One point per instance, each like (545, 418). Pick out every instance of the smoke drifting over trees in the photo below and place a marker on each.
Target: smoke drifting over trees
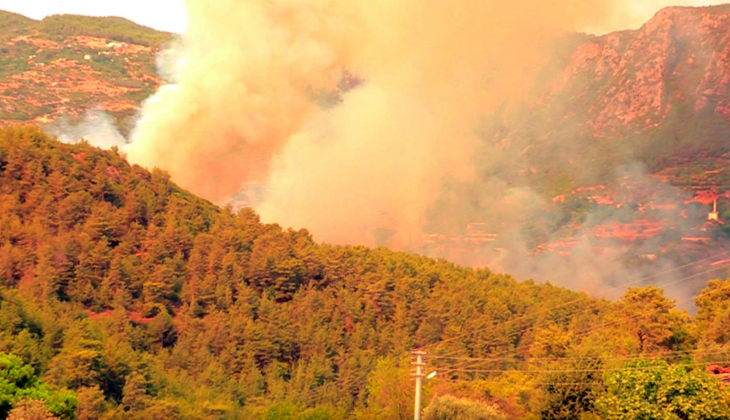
(245, 112)
(97, 128)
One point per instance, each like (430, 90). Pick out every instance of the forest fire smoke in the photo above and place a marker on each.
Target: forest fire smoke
(241, 110)
(247, 106)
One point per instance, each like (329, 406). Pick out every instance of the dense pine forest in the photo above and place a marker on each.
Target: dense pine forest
(124, 296)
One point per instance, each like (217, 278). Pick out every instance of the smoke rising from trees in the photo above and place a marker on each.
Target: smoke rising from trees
(257, 106)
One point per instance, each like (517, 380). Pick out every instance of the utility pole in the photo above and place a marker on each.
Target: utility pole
(419, 381)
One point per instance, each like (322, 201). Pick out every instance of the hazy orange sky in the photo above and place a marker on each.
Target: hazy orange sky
(169, 15)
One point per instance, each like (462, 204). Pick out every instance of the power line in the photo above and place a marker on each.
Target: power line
(616, 322)
(586, 297)
(534, 384)
(593, 329)
(580, 358)
(542, 371)
(624, 319)
(567, 316)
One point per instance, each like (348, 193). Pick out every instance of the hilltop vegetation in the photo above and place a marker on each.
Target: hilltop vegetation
(62, 26)
(11, 22)
(114, 28)
(148, 302)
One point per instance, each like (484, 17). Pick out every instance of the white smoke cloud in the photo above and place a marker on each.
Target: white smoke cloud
(97, 128)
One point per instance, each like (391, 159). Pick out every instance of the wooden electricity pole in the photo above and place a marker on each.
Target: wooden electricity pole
(419, 382)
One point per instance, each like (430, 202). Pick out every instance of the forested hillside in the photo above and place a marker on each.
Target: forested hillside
(128, 297)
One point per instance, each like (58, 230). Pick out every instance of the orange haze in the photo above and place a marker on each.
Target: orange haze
(241, 110)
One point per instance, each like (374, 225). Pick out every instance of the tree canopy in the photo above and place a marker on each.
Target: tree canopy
(148, 302)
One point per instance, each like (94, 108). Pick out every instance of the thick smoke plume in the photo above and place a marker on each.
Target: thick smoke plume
(243, 111)
(352, 118)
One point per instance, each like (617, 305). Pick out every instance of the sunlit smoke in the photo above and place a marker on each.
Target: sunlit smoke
(244, 99)
(258, 106)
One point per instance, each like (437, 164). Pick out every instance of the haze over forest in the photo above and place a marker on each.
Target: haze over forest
(547, 140)
(396, 140)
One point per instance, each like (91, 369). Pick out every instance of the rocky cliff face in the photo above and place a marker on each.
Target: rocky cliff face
(636, 78)
(658, 96)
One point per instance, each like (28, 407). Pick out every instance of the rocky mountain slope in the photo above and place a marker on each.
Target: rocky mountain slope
(636, 78)
(656, 98)
(660, 94)
(610, 122)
